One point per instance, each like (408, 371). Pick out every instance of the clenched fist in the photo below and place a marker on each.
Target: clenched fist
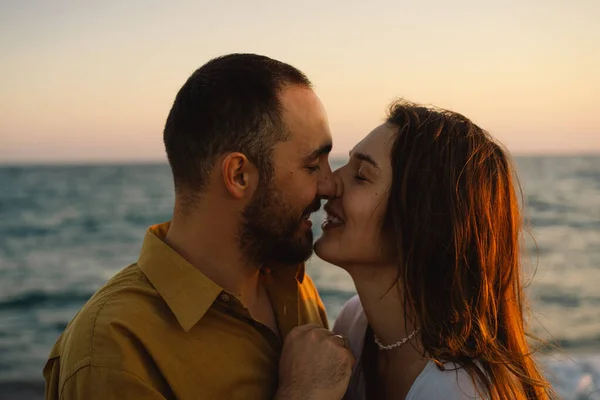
(314, 364)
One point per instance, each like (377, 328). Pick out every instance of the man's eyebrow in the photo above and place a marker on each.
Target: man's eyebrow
(323, 150)
(364, 157)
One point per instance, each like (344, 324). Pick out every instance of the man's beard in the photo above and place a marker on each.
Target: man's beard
(271, 230)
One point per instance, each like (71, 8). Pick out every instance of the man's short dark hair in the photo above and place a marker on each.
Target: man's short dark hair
(231, 103)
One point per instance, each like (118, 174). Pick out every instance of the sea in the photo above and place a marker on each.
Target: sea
(66, 229)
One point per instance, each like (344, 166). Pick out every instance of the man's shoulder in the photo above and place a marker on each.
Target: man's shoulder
(126, 302)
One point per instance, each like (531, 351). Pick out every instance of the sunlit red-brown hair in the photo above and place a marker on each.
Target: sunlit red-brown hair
(456, 226)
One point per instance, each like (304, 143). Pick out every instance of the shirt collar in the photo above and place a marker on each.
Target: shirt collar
(187, 291)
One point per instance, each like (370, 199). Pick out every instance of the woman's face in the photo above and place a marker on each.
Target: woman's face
(352, 232)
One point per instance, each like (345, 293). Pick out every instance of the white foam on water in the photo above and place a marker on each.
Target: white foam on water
(573, 376)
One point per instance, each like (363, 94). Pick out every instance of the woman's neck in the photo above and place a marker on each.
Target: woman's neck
(382, 302)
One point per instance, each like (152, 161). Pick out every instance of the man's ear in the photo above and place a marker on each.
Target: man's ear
(238, 173)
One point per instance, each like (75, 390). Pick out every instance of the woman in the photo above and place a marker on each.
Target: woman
(428, 226)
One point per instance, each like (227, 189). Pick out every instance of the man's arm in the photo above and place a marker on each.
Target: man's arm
(104, 383)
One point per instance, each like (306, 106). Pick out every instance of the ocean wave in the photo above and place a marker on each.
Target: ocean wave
(536, 204)
(581, 343)
(43, 299)
(585, 224)
(569, 300)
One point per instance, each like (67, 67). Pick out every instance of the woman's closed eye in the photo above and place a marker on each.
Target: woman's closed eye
(360, 179)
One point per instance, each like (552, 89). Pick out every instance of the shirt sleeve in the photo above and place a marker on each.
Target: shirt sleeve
(103, 383)
(51, 376)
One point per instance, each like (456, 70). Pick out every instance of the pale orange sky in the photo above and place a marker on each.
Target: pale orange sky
(95, 81)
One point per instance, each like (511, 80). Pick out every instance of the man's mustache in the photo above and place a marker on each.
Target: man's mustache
(314, 207)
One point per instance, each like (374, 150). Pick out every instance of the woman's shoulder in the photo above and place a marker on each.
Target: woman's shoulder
(352, 306)
(352, 322)
(350, 313)
(453, 383)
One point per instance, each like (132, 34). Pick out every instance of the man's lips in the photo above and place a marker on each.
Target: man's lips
(313, 209)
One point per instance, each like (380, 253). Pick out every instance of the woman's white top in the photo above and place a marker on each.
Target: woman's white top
(452, 384)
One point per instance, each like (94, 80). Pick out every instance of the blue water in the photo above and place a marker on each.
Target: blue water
(66, 229)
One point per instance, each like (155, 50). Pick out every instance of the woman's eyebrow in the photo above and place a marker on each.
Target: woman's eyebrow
(364, 157)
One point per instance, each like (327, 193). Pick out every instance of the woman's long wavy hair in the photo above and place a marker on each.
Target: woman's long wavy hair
(456, 226)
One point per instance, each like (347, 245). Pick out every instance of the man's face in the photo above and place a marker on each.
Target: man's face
(276, 226)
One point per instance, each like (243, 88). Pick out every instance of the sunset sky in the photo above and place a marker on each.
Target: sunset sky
(94, 80)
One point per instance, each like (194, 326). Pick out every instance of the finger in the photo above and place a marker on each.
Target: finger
(341, 340)
(352, 359)
(302, 329)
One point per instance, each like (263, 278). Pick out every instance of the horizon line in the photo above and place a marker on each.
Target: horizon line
(155, 161)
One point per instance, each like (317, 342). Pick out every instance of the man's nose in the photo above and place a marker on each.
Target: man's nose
(339, 184)
(330, 185)
(326, 187)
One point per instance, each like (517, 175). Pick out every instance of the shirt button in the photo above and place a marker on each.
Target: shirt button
(224, 297)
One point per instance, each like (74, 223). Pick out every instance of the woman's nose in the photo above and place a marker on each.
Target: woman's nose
(339, 184)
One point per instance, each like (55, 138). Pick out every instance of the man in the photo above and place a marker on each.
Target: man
(218, 305)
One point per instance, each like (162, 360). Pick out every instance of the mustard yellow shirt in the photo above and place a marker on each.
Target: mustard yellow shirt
(161, 329)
